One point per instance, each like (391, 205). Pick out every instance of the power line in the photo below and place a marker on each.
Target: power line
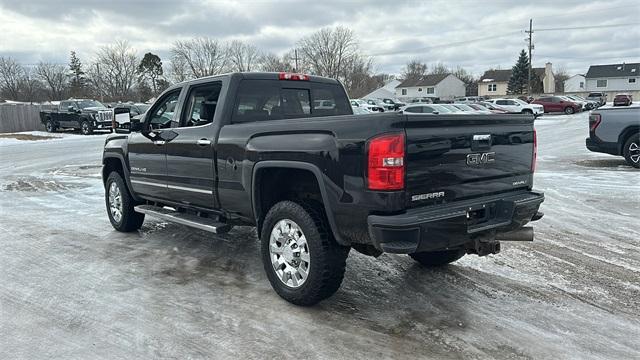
(588, 27)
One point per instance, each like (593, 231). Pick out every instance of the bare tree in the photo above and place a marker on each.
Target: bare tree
(243, 56)
(114, 72)
(330, 52)
(30, 89)
(414, 69)
(439, 69)
(274, 63)
(178, 71)
(201, 56)
(560, 76)
(10, 74)
(55, 77)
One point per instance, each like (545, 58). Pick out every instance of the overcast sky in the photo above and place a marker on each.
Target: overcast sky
(477, 35)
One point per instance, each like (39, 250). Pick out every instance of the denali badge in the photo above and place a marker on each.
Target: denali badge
(434, 195)
(481, 158)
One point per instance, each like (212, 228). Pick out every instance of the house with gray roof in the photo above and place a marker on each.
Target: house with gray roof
(614, 77)
(494, 83)
(443, 86)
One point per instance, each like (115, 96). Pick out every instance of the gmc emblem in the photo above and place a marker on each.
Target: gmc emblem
(481, 158)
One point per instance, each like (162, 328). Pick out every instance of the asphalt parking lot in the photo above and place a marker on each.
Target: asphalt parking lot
(72, 287)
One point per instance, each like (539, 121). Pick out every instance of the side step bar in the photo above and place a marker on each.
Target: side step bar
(197, 222)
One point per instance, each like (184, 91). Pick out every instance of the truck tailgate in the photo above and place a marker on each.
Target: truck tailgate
(452, 157)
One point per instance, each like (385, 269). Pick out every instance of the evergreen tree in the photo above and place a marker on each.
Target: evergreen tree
(151, 67)
(77, 77)
(519, 75)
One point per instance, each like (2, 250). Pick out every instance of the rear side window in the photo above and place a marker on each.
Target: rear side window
(260, 100)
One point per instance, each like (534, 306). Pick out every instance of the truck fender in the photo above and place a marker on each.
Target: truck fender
(302, 166)
(624, 135)
(125, 172)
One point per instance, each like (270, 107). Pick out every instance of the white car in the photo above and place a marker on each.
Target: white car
(518, 106)
(363, 104)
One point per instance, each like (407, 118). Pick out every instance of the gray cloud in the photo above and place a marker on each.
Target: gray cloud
(474, 34)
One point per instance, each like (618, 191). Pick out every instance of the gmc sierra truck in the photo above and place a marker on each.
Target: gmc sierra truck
(256, 149)
(80, 114)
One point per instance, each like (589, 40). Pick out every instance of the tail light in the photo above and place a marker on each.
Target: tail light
(385, 170)
(293, 76)
(594, 121)
(535, 151)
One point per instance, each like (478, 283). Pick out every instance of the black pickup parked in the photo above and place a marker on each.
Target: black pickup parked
(256, 149)
(79, 114)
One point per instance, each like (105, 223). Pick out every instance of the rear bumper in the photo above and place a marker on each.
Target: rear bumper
(597, 145)
(452, 225)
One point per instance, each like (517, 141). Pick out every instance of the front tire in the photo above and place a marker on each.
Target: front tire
(631, 151)
(527, 111)
(86, 128)
(304, 264)
(120, 205)
(437, 258)
(569, 110)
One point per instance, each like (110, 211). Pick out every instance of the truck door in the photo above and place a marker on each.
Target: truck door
(147, 149)
(190, 155)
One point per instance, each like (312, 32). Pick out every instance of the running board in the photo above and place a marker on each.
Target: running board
(197, 222)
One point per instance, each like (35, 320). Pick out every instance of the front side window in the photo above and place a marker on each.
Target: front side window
(162, 113)
(202, 103)
(601, 83)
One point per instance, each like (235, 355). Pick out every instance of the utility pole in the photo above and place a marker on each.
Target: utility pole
(530, 32)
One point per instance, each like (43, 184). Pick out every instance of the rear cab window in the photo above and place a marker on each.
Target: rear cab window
(260, 100)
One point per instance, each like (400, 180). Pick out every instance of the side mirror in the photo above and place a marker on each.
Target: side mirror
(400, 112)
(436, 112)
(136, 125)
(71, 109)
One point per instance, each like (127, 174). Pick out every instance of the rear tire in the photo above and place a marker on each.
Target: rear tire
(631, 151)
(437, 258)
(297, 243)
(86, 128)
(50, 126)
(120, 205)
(569, 110)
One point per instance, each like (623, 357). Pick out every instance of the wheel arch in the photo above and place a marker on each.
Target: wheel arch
(115, 162)
(268, 168)
(625, 135)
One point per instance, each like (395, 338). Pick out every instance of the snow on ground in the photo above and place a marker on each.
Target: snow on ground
(72, 287)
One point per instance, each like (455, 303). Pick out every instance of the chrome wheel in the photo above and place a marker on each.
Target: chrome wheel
(85, 128)
(289, 253)
(115, 202)
(49, 126)
(634, 152)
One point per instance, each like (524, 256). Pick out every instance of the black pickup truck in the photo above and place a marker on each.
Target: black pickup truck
(255, 149)
(85, 115)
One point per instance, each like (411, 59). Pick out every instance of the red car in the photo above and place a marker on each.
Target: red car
(557, 104)
(622, 100)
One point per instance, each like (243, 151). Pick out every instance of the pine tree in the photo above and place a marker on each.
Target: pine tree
(519, 75)
(151, 67)
(77, 81)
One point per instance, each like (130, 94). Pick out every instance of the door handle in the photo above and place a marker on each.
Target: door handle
(203, 142)
(159, 142)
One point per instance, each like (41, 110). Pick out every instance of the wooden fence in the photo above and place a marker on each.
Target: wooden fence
(21, 117)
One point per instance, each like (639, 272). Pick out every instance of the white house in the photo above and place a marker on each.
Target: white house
(388, 91)
(614, 77)
(443, 86)
(576, 83)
